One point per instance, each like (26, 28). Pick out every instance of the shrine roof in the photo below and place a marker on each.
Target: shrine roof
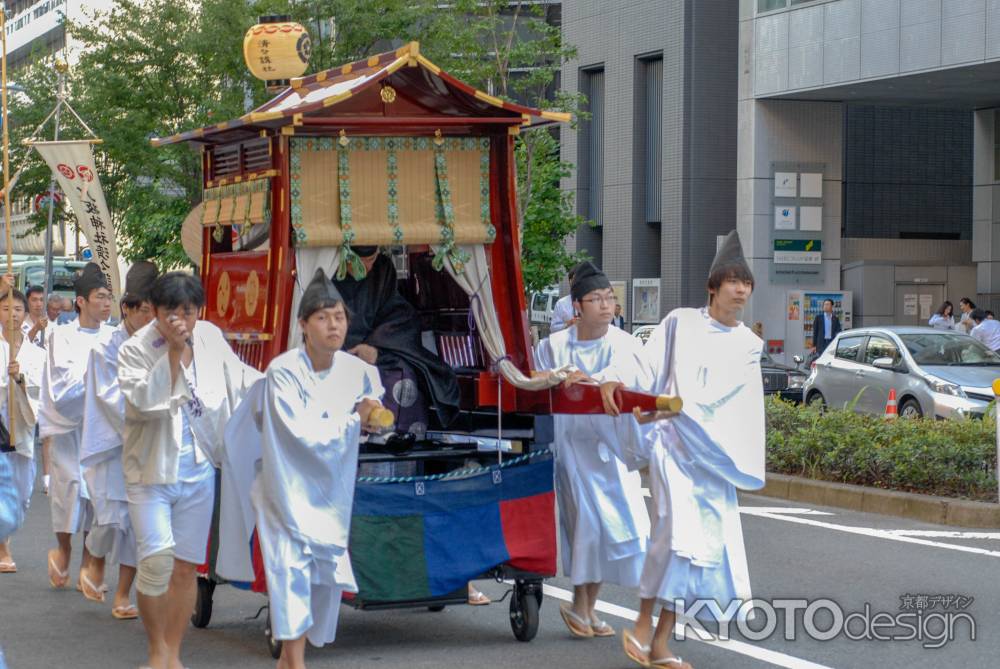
(424, 90)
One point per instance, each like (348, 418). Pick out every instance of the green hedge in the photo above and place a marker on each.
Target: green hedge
(954, 458)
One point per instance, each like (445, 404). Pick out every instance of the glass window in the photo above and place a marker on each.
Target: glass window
(996, 144)
(768, 5)
(649, 125)
(948, 349)
(881, 347)
(849, 347)
(540, 302)
(591, 147)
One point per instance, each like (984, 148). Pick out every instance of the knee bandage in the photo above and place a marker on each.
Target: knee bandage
(153, 574)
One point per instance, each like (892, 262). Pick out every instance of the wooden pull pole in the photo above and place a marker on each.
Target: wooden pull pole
(6, 219)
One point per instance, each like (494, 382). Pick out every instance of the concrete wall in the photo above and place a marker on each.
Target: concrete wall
(698, 40)
(776, 131)
(854, 40)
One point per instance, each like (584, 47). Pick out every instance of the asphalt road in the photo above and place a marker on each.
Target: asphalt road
(850, 558)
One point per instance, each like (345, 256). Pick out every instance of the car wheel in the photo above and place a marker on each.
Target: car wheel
(816, 400)
(910, 408)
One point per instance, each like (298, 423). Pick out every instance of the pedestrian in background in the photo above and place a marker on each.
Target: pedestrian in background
(826, 326)
(54, 306)
(965, 324)
(987, 330)
(563, 314)
(68, 313)
(943, 318)
(35, 322)
(618, 320)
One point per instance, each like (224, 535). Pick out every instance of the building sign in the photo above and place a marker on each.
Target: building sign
(784, 218)
(786, 184)
(798, 251)
(645, 300)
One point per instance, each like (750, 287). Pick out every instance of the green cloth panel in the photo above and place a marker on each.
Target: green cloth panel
(387, 553)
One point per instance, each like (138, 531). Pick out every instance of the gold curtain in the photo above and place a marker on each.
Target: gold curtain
(392, 189)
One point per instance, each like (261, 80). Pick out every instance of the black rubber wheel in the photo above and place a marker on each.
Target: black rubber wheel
(203, 603)
(910, 408)
(524, 605)
(273, 645)
(437, 608)
(816, 400)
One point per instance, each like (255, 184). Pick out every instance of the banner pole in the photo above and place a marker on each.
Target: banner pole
(60, 95)
(12, 354)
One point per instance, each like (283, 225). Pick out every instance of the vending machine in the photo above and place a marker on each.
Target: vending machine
(802, 307)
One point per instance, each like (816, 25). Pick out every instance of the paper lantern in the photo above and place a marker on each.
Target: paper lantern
(277, 49)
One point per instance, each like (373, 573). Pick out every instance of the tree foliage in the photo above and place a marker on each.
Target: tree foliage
(156, 67)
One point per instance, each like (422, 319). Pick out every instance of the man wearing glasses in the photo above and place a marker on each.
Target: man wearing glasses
(605, 526)
(61, 418)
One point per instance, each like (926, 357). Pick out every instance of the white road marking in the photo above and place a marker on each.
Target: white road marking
(892, 535)
(732, 645)
(948, 534)
(783, 509)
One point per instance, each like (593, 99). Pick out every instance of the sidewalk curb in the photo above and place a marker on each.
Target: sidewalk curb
(926, 508)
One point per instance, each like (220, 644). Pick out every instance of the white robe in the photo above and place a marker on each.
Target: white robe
(32, 361)
(605, 526)
(303, 491)
(101, 452)
(699, 459)
(562, 313)
(61, 417)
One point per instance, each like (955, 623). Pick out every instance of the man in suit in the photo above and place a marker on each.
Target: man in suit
(619, 320)
(826, 326)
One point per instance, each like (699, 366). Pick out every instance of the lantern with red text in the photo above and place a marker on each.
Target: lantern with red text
(276, 50)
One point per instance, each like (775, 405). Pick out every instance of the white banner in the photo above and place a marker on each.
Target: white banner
(72, 162)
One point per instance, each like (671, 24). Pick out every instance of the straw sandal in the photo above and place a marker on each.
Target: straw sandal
(94, 593)
(578, 627)
(125, 612)
(477, 598)
(58, 578)
(601, 628)
(634, 650)
(669, 663)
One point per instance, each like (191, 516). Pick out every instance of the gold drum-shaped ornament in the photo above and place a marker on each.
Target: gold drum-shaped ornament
(276, 50)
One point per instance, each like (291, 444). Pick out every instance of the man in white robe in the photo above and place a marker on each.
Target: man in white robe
(696, 564)
(563, 313)
(101, 447)
(24, 376)
(316, 399)
(605, 526)
(181, 381)
(35, 322)
(61, 418)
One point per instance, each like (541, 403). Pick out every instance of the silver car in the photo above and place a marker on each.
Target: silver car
(935, 373)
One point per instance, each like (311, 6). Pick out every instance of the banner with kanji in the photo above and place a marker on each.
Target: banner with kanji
(72, 163)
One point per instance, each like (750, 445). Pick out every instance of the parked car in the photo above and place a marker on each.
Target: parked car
(783, 380)
(935, 373)
(540, 305)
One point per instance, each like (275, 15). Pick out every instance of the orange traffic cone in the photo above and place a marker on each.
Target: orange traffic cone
(890, 406)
